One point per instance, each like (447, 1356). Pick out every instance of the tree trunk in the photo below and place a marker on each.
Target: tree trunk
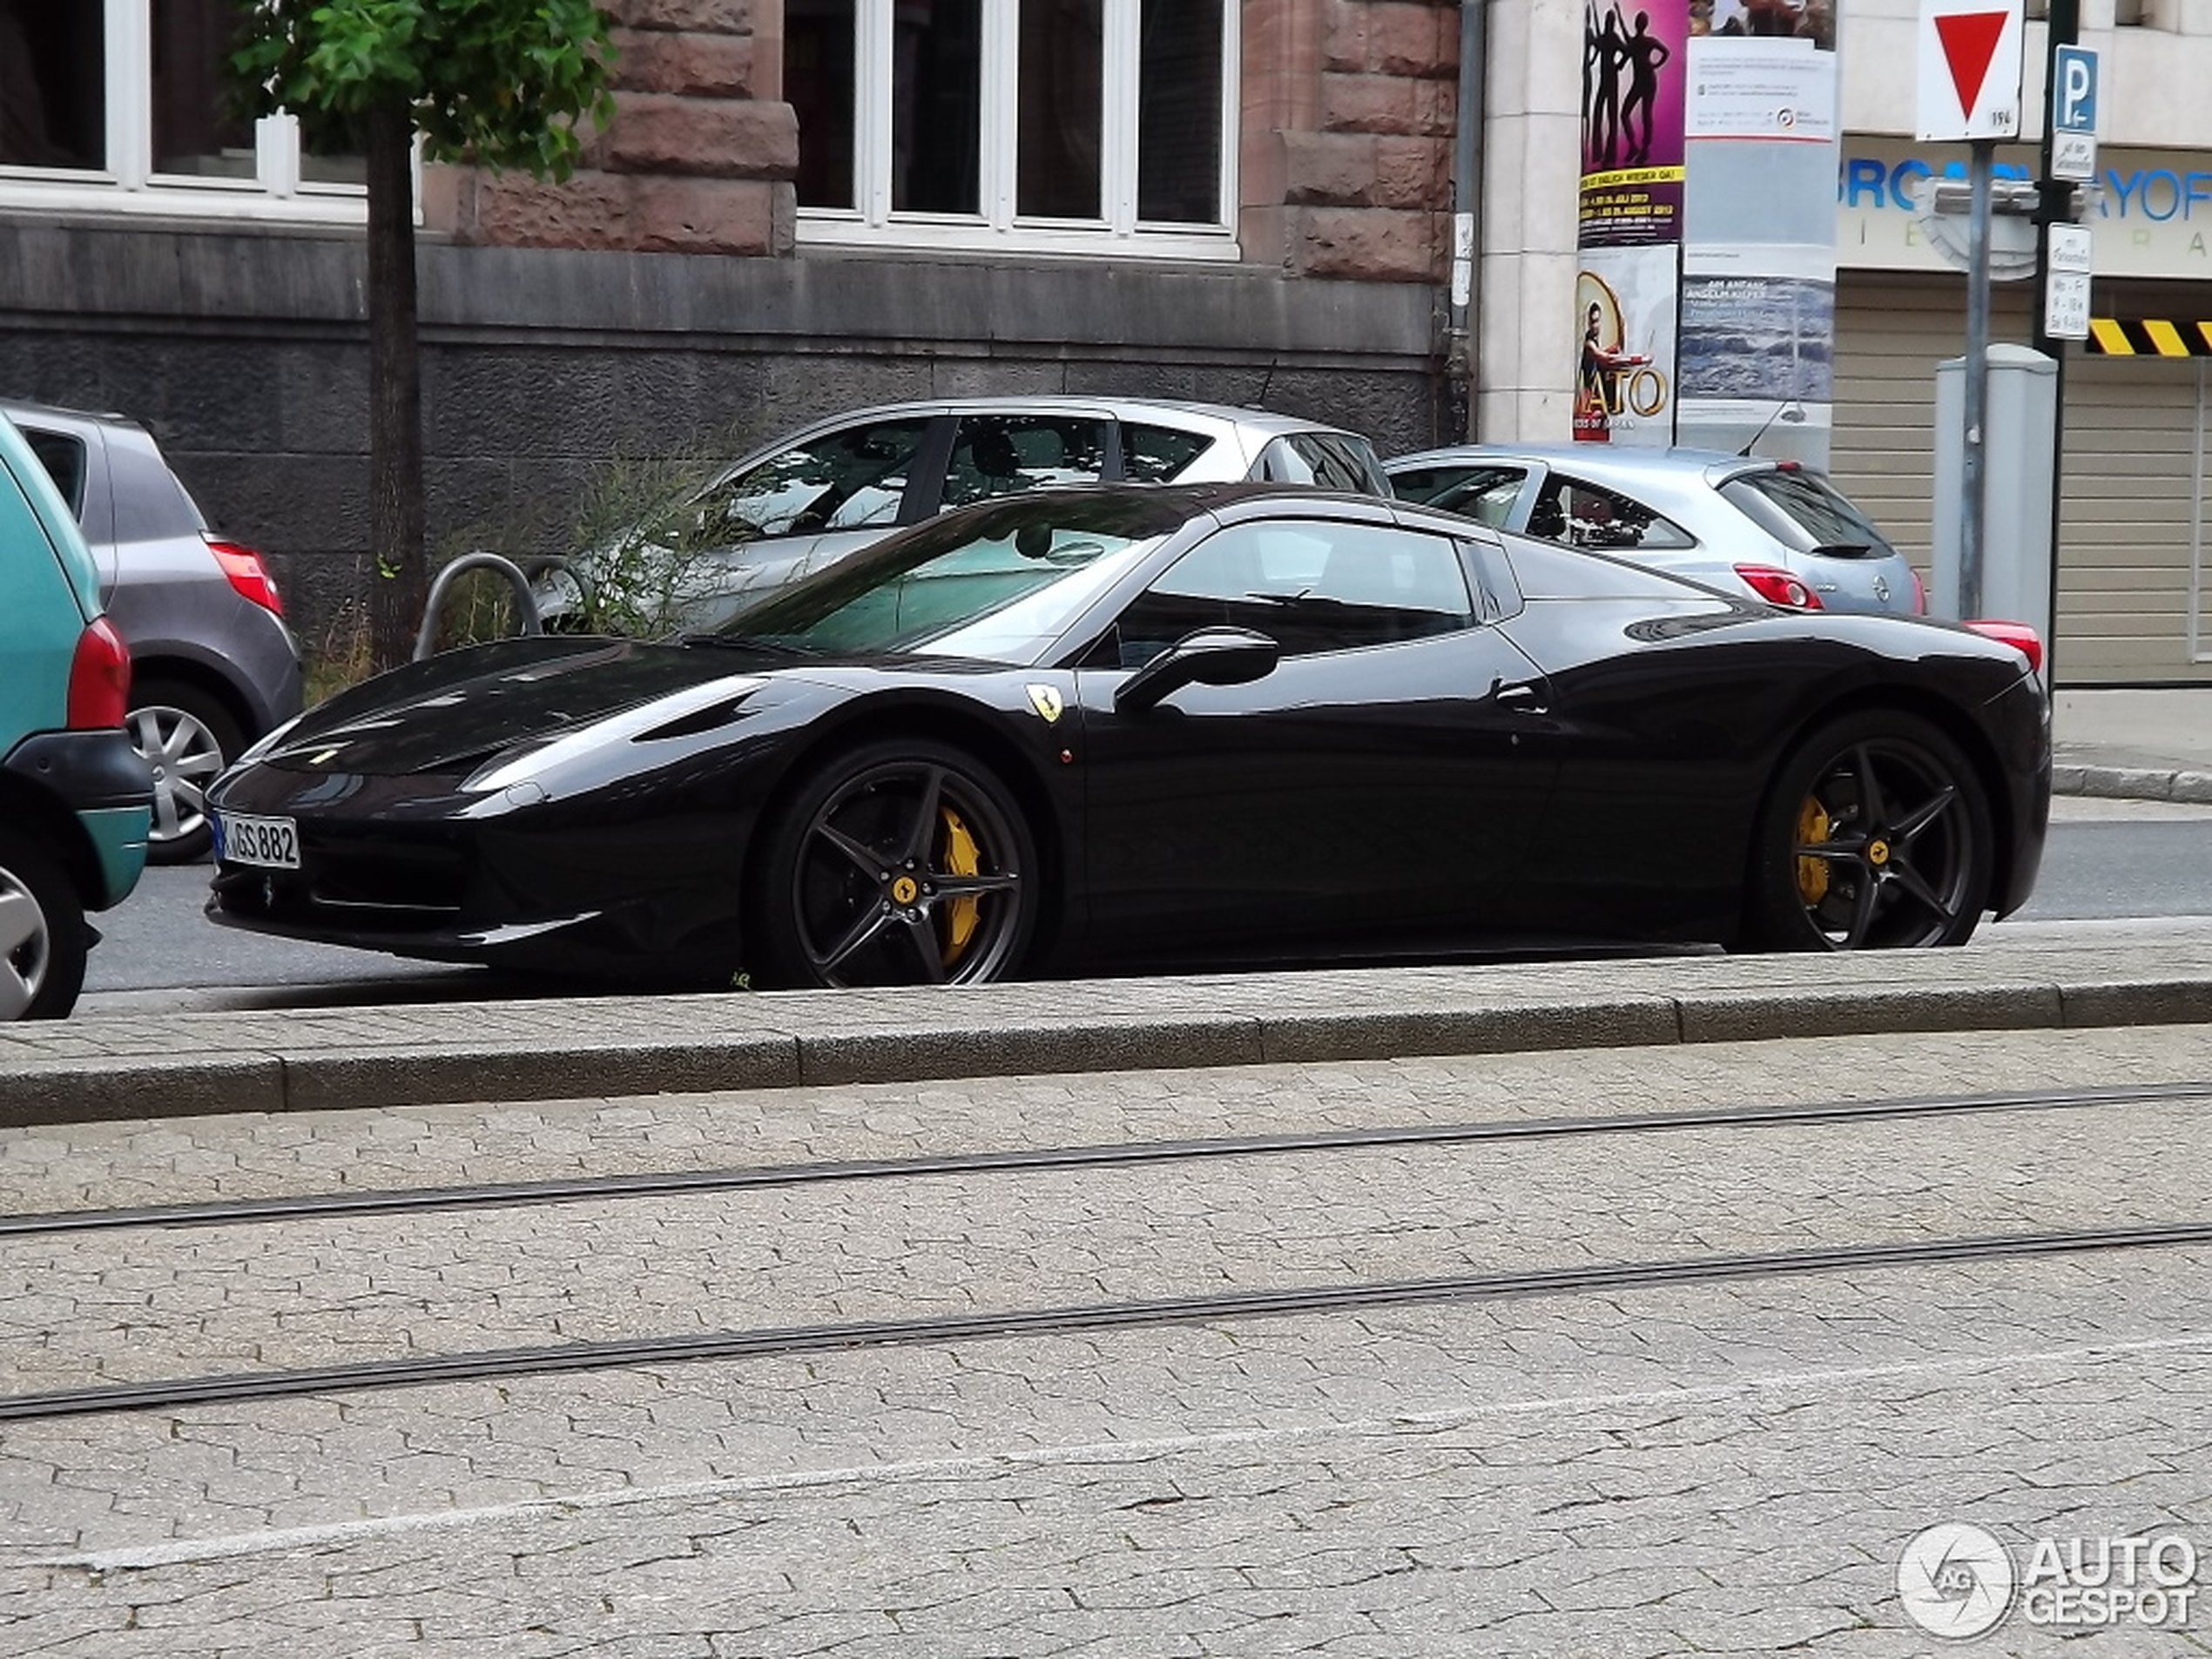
(395, 392)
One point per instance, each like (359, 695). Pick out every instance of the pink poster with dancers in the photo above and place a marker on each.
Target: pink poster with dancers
(1636, 68)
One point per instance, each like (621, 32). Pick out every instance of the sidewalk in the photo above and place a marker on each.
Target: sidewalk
(2142, 745)
(138, 1066)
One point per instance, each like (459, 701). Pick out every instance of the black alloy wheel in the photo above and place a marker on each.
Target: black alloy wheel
(1876, 835)
(42, 937)
(902, 863)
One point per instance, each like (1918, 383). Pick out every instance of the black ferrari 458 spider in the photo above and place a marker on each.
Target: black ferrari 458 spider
(1134, 726)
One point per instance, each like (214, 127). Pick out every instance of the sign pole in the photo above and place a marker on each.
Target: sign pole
(1983, 168)
(2055, 206)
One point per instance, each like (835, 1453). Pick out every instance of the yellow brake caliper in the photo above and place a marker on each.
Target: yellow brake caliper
(962, 857)
(1812, 874)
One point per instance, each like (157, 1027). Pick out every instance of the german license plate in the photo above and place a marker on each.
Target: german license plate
(273, 843)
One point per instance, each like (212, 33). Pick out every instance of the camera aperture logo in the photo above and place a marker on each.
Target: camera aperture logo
(1958, 1581)
(1955, 1581)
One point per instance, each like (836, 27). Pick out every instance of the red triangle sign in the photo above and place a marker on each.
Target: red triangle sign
(1969, 42)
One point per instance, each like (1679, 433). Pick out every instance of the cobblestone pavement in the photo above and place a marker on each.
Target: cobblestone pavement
(1727, 1468)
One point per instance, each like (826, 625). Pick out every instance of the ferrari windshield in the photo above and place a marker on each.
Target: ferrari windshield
(1001, 584)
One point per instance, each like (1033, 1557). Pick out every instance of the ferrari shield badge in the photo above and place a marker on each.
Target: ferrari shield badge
(1045, 699)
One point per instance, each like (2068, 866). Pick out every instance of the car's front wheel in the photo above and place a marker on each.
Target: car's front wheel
(42, 937)
(900, 862)
(1876, 833)
(186, 738)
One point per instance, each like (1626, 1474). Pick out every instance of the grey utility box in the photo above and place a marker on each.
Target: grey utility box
(2023, 412)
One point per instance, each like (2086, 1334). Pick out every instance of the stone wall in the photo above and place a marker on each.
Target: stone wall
(659, 301)
(1349, 112)
(698, 158)
(1348, 109)
(246, 355)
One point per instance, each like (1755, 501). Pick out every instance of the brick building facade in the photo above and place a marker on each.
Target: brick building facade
(697, 282)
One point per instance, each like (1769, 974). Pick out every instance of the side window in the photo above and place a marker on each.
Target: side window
(1323, 460)
(1487, 493)
(63, 458)
(1003, 455)
(1427, 483)
(843, 481)
(1584, 516)
(1155, 455)
(1312, 585)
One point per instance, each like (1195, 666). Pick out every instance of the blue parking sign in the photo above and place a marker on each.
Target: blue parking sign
(2073, 90)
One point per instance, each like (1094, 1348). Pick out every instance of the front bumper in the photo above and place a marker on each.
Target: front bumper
(553, 889)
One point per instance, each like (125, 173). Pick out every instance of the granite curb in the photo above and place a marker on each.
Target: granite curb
(2130, 782)
(196, 1064)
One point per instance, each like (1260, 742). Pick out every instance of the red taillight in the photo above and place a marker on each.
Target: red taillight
(99, 678)
(1778, 587)
(1919, 596)
(247, 574)
(2021, 638)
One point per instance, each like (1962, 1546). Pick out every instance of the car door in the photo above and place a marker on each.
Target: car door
(1372, 788)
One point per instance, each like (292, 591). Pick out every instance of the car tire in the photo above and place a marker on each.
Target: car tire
(43, 936)
(188, 737)
(900, 862)
(1876, 833)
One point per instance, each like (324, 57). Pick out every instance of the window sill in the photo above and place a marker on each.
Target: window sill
(832, 231)
(337, 205)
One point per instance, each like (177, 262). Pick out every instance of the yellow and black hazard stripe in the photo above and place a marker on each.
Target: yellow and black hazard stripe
(2148, 337)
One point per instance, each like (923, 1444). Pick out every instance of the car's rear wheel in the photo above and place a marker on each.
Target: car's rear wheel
(187, 737)
(1875, 834)
(901, 862)
(42, 937)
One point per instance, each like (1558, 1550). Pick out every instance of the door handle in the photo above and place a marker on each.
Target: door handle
(1520, 697)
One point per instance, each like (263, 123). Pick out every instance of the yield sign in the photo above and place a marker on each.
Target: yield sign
(1970, 69)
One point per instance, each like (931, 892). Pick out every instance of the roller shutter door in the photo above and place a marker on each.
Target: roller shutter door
(2128, 529)
(2129, 522)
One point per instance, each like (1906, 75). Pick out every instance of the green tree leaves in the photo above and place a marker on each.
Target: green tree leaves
(500, 82)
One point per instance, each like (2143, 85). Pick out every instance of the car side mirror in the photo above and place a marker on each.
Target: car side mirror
(1207, 656)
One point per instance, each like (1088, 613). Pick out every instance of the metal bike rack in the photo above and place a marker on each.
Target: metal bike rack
(525, 601)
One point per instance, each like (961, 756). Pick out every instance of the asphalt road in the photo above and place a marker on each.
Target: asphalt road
(2108, 864)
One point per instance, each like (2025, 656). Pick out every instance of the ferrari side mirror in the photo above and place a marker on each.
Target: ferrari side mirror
(1208, 656)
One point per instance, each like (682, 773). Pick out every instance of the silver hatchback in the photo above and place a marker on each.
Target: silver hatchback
(826, 491)
(1775, 528)
(213, 665)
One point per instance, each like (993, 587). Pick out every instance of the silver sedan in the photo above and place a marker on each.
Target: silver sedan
(1736, 522)
(820, 493)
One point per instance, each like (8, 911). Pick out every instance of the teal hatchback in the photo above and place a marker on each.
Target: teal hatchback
(76, 800)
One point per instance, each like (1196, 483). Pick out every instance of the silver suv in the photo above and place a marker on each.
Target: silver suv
(817, 494)
(213, 665)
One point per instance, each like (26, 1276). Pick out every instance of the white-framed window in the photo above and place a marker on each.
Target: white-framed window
(121, 106)
(1057, 124)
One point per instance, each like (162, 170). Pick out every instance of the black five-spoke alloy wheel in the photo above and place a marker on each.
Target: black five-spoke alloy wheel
(904, 862)
(1877, 835)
